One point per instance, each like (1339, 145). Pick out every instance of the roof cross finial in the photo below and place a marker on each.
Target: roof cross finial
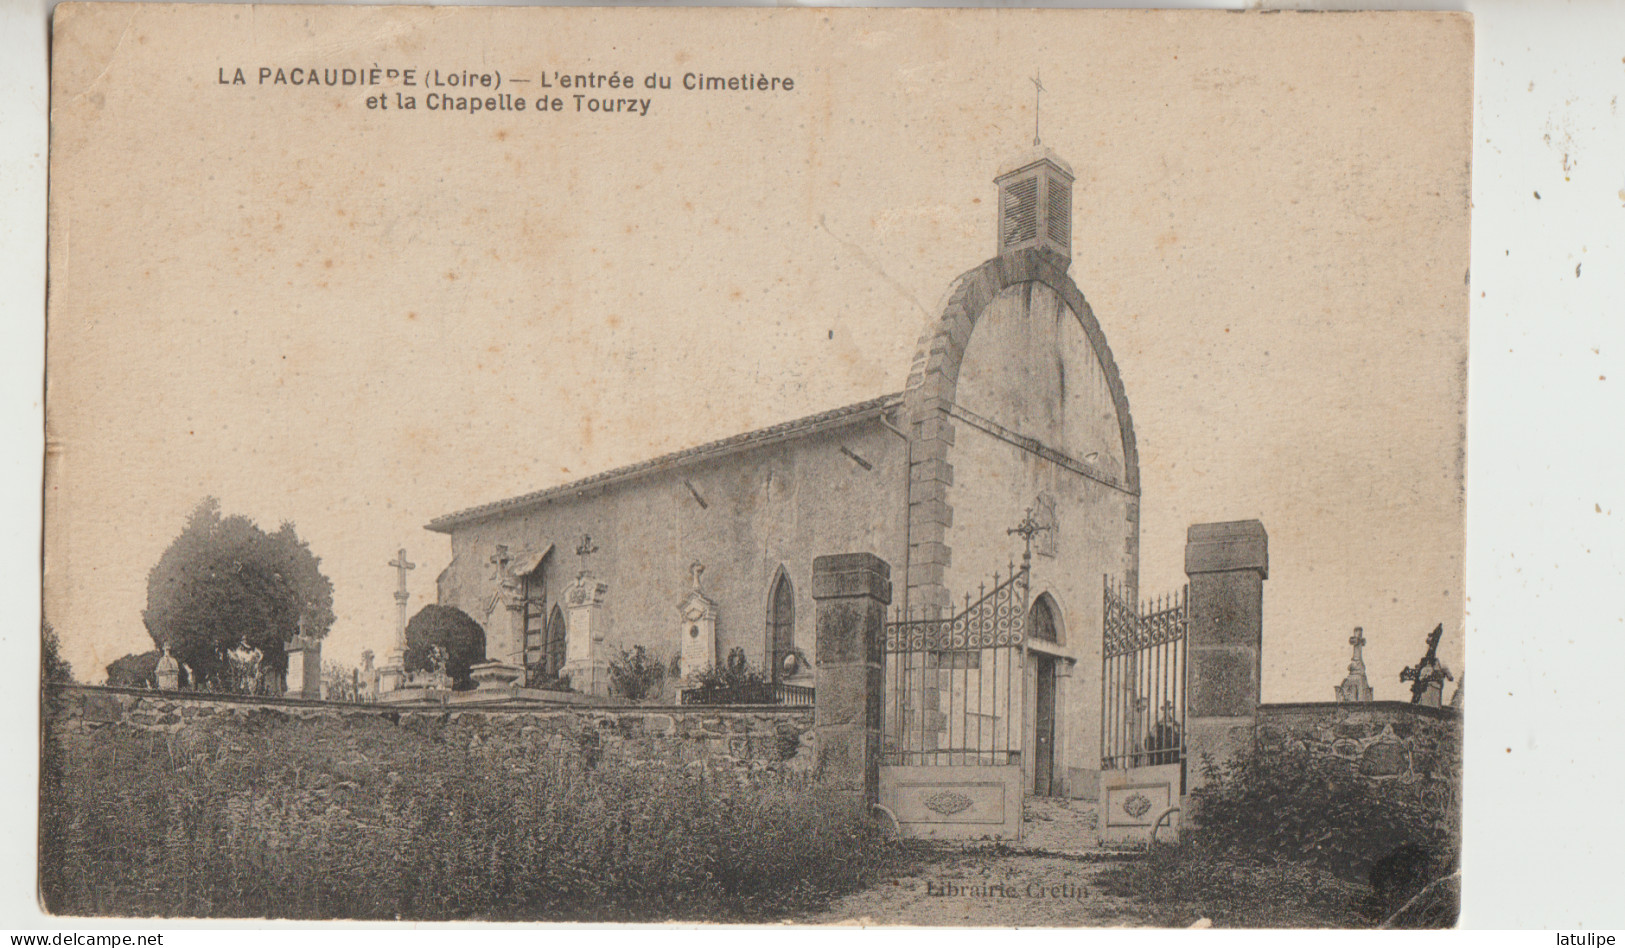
(1038, 99)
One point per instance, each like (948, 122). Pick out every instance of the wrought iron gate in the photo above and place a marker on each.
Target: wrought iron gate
(1142, 717)
(1143, 672)
(951, 715)
(951, 683)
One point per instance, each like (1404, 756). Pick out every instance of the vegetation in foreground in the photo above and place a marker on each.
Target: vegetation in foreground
(322, 819)
(1287, 839)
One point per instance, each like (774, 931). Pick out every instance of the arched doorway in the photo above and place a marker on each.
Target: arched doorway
(1043, 626)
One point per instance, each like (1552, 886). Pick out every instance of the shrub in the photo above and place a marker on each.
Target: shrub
(1288, 838)
(460, 640)
(734, 683)
(135, 670)
(1303, 807)
(636, 674)
(265, 816)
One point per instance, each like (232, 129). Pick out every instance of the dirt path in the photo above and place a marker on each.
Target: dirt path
(990, 888)
(1046, 880)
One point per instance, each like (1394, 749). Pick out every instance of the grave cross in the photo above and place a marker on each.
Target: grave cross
(402, 597)
(1028, 528)
(1429, 671)
(585, 549)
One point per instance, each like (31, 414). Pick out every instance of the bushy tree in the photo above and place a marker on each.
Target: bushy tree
(53, 667)
(453, 630)
(135, 670)
(225, 584)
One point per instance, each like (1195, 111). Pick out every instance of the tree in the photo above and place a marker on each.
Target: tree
(135, 670)
(453, 630)
(225, 584)
(53, 667)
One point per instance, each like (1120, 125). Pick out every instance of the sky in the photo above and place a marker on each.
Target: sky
(358, 319)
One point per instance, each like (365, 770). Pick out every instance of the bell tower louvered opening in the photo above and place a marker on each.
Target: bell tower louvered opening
(1035, 205)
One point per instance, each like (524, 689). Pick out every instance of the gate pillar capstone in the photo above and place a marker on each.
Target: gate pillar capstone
(851, 592)
(1227, 564)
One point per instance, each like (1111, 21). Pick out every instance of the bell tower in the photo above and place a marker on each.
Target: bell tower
(1035, 205)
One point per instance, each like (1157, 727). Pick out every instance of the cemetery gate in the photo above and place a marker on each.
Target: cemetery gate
(1142, 715)
(951, 726)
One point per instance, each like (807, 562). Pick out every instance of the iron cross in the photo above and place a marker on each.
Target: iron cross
(1027, 529)
(1038, 100)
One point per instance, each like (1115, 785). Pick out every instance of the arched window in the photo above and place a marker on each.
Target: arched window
(781, 624)
(1041, 620)
(553, 652)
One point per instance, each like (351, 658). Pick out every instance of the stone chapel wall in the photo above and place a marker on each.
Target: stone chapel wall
(741, 516)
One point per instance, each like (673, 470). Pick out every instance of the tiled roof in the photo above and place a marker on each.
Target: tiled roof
(750, 439)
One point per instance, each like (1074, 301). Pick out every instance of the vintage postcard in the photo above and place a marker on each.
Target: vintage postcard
(973, 467)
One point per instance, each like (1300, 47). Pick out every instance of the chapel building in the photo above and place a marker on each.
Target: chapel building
(1013, 406)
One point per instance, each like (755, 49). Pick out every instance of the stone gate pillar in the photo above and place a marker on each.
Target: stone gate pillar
(1227, 564)
(851, 592)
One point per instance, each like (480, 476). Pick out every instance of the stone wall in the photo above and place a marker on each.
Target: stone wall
(756, 743)
(1414, 750)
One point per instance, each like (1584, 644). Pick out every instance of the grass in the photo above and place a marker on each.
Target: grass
(1179, 884)
(1286, 839)
(285, 818)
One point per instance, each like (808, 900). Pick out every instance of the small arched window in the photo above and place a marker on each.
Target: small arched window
(1041, 620)
(781, 624)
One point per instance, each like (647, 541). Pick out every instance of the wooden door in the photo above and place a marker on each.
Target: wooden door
(1044, 726)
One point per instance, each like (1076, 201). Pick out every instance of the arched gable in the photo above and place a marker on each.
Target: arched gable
(934, 376)
(930, 406)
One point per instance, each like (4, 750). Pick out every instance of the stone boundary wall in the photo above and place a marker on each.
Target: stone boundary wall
(755, 742)
(1415, 750)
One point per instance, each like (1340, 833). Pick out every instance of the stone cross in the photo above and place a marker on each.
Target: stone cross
(402, 597)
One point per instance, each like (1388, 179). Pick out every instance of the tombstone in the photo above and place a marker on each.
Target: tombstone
(697, 628)
(304, 668)
(168, 672)
(585, 629)
(1355, 687)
